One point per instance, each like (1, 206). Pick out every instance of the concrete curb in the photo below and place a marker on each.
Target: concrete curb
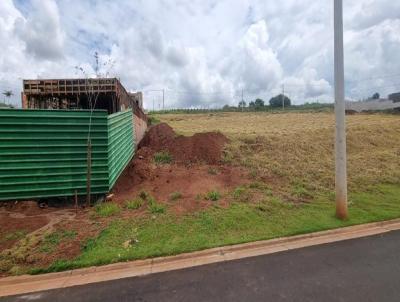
(28, 284)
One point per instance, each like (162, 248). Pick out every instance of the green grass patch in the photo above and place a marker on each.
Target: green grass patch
(52, 240)
(134, 204)
(241, 194)
(107, 209)
(12, 236)
(213, 196)
(155, 207)
(239, 223)
(162, 157)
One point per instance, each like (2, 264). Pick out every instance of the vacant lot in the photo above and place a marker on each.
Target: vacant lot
(275, 179)
(295, 150)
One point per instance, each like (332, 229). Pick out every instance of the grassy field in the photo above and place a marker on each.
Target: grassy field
(295, 150)
(290, 161)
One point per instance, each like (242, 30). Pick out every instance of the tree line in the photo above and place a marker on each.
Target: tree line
(279, 101)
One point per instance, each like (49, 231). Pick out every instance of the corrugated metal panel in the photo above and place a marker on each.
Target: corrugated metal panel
(43, 153)
(121, 144)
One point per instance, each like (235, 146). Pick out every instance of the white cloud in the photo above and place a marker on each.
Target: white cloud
(41, 31)
(203, 53)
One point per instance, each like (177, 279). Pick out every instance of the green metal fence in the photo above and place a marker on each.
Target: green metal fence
(120, 144)
(43, 153)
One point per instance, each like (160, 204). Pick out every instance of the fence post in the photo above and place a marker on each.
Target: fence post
(89, 172)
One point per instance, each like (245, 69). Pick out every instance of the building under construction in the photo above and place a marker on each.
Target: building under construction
(98, 93)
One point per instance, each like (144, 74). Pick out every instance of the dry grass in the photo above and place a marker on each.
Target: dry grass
(294, 151)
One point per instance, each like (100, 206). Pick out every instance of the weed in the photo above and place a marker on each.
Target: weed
(258, 185)
(301, 192)
(134, 204)
(241, 194)
(253, 173)
(107, 209)
(227, 157)
(261, 207)
(175, 196)
(144, 195)
(155, 207)
(13, 236)
(212, 171)
(5, 265)
(52, 240)
(213, 196)
(162, 157)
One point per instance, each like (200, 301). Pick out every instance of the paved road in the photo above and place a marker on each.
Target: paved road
(366, 269)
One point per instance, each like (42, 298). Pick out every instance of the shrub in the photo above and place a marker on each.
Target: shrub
(107, 209)
(162, 157)
(134, 204)
(213, 196)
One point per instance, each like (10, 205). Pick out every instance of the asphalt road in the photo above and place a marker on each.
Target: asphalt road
(366, 269)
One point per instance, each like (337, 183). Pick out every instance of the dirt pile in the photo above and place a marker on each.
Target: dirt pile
(189, 154)
(200, 148)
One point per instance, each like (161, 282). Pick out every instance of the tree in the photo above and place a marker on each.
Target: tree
(242, 104)
(376, 96)
(276, 101)
(259, 103)
(252, 104)
(8, 94)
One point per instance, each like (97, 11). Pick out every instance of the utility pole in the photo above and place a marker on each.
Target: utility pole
(242, 101)
(340, 130)
(163, 107)
(283, 96)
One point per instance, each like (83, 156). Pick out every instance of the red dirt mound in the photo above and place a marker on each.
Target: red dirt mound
(158, 136)
(201, 147)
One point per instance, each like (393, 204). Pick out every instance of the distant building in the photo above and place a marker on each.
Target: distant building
(371, 105)
(395, 97)
(137, 98)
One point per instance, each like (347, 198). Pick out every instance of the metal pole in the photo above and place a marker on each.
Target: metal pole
(163, 108)
(242, 101)
(340, 133)
(76, 202)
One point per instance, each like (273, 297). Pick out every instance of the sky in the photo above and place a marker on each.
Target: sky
(203, 53)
